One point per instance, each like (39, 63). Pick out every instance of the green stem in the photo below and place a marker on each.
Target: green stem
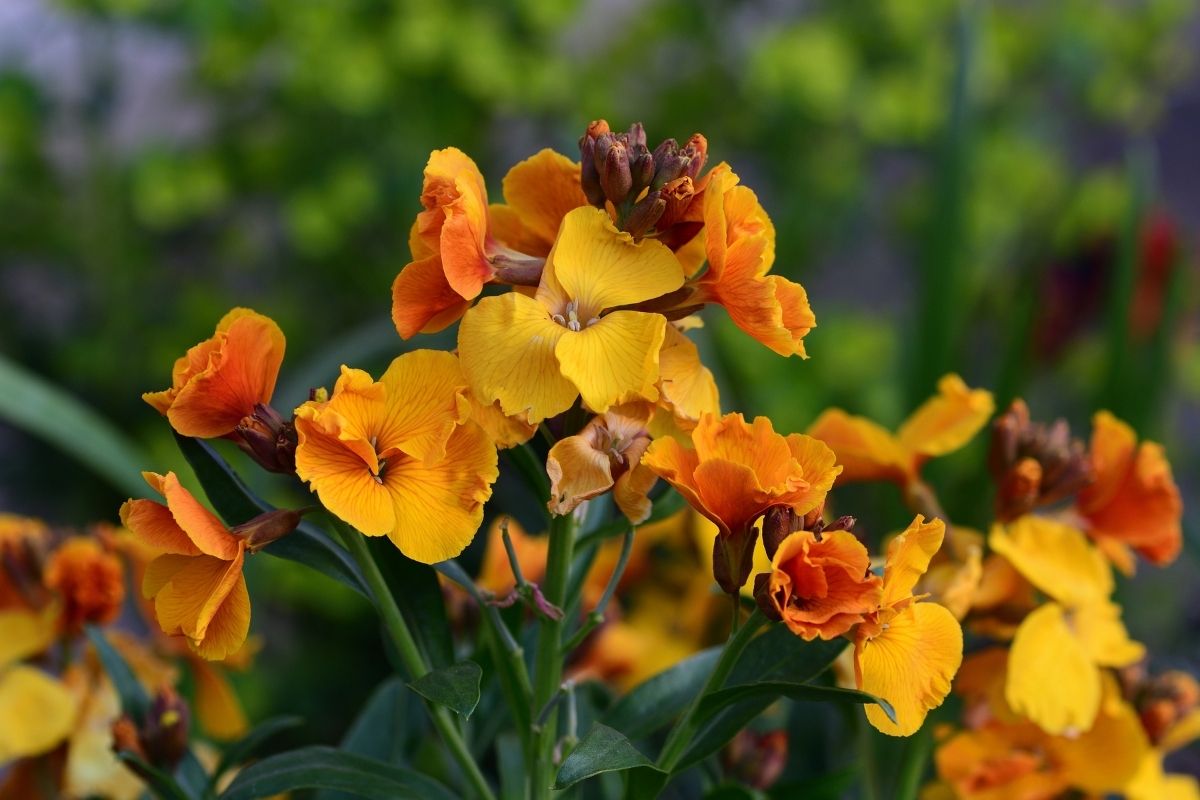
(597, 616)
(548, 662)
(410, 656)
(681, 735)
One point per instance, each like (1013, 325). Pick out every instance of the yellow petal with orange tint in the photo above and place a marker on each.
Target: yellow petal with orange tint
(541, 190)
(187, 601)
(226, 631)
(1099, 628)
(502, 429)
(866, 450)
(947, 421)
(1052, 679)
(578, 472)
(217, 706)
(154, 526)
(37, 713)
(908, 556)
(344, 482)
(421, 406)
(1105, 758)
(614, 360)
(631, 493)
(601, 268)
(910, 664)
(686, 386)
(506, 345)
(676, 464)
(438, 508)
(820, 468)
(1055, 558)
(201, 526)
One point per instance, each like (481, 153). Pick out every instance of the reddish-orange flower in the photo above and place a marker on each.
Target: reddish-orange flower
(822, 587)
(220, 381)
(89, 580)
(1133, 504)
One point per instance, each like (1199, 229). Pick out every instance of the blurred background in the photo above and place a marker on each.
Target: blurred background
(1005, 189)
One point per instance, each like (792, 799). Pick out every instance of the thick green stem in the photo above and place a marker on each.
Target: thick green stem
(410, 656)
(548, 660)
(681, 735)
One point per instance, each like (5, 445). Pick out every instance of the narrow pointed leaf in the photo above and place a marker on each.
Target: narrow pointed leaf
(134, 700)
(455, 686)
(248, 746)
(772, 690)
(602, 750)
(327, 768)
(653, 703)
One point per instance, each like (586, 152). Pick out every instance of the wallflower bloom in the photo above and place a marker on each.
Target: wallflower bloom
(197, 585)
(1133, 505)
(907, 652)
(606, 454)
(869, 452)
(90, 582)
(1054, 675)
(399, 457)
(821, 588)
(736, 472)
(739, 241)
(535, 355)
(221, 380)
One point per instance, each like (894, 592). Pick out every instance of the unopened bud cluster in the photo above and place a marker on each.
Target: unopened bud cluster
(650, 190)
(1034, 464)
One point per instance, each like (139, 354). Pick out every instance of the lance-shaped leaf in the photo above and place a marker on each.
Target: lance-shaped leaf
(602, 750)
(455, 686)
(327, 768)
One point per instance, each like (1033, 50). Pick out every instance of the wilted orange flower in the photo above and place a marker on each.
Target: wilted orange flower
(197, 585)
(1054, 670)
(739, 241)
(606, 454)
(822, 587)
(907, 652)
(869, 452)
(736, 472)
(535, 355)
(399, 457)
(90, 582)
(220, 381)
(459, 242)
(1133, 504)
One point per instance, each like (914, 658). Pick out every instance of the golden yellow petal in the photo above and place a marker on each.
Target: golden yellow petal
(614, 360)
(37, 713)
(217, 706)
(1105, 758)
(540, 191)
(908, 556)
(1051, 678)
(1099, 628)
(947, 421)
(866, 451)
(421, 406)
(1054, 557)
(578, 472)
(24, 633)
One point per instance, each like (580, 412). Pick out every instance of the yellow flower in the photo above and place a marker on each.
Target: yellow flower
(399, 457)
(907, 652)
(869, 452)
(1054, 675)
(535, 355)
(606, 454)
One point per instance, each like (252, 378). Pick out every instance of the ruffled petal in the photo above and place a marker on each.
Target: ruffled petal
(541, 190)
(578, 472)
(685, 385)
(908, 556)
(230, 623)
(947, 421)
(155, 526)
(1055, 558)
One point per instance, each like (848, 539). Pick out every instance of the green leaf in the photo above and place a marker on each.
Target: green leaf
(418, 594)
(602, 750)
(236, 504)
(655, 702)
(134, 700)
(379, 729)
(510, 757)
(771, 690)
(32, 404)
(164, 785)
(455, 686)
(327, 768)
(832, 786)
(780, 654)
(248, 746)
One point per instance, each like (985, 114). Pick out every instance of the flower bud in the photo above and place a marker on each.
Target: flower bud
(778, 523)
(269, 439)
(733, 558)
(637, 136)
(678, 195)
(644, 215)
(641, 168)
(614, 173)
(696, 151)
(267, 528)
(589, 174)
(164, 737)
(762, 597)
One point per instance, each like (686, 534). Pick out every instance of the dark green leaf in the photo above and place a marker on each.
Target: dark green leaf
(248, 746)
(190, 775)
(655, 702)
(134, 700)
(379, 729)
(833, 786)
(779, 654)
(602, 750)
(327, 768)
(30, 403)
(418, 594)
(771, 690)
(236, 504)
(164, 785)
(455, 686)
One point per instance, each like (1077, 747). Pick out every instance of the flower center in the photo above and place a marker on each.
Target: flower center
(569, 319)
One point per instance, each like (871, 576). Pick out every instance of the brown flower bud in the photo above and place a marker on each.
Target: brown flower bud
(644, 215)
(125, 738)
(269, 439)
(762, 597)
(641, 168)
(733, 558)
(756, 759)
(614, 172)
(267, 528)
(589, 176)
(164, 737)
(1034, 464)
(778, 523)
(678, 195)
(637, 136)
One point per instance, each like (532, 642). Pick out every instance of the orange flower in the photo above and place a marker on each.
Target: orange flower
(736, 472)
(399, 457)
(942, 424)
(90, 582)
(822, 587)
(197, 585)
(606, 454)
(907, 652)
(1133, 504)
(459, 242)
(220, 381)
(740, 245)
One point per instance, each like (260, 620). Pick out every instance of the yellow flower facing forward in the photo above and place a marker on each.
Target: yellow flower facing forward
(399, 457)
(535, 355)
(907, 652)
(1054, 671)
(869, 452)
(197, 584)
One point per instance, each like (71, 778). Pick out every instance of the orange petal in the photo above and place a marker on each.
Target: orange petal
(908, 556)
(823, 587)
(541, 190)
(154, 525)
(866, 451)
(188, 601)
(614, 360)
(421, 406)
(346, 484)
(422, 299)
(199, 524)
(217, 706)
(578, 471)
(455, 197)
(506, 345)
(676, 464)
(502, 429)
(229, 625)
(632, 492)
(685, 385)
(818, 464)
(948, 421)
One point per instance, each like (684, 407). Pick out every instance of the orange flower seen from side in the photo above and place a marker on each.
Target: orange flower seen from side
(536, 355)
(1133, 505)
(90, 582)
(606, 454)
(907, 651)
(219, 381)
(399, 457)
(197, 584)
(943, 424)
(734, 472)
(822, 587)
